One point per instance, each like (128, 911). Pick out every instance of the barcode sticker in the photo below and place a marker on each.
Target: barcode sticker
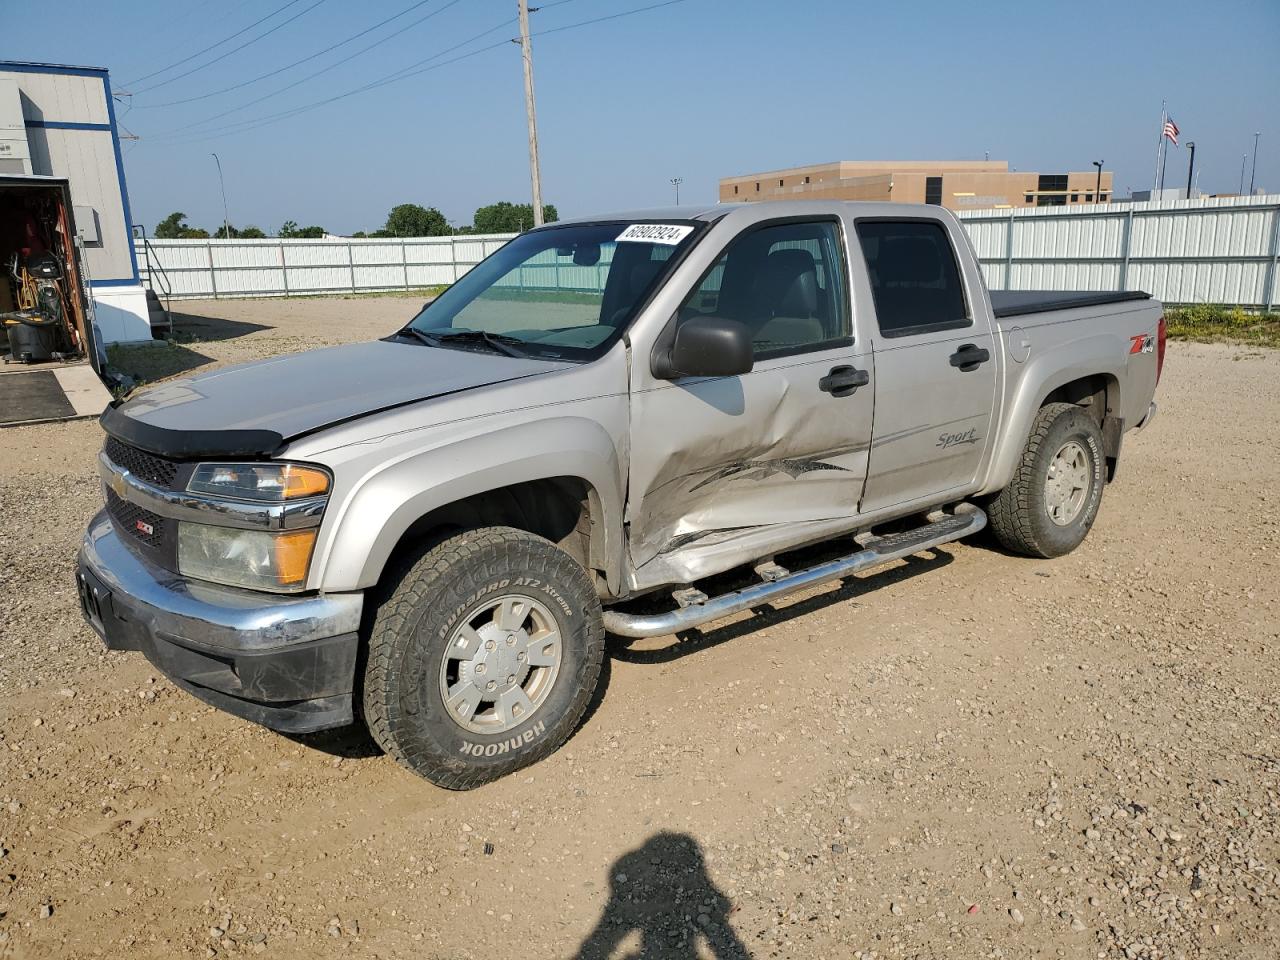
(668, 233)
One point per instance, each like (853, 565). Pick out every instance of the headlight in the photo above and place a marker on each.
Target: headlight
(256, 559)
(269, 482)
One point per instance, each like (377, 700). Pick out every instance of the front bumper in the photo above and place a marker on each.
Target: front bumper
(287, 663)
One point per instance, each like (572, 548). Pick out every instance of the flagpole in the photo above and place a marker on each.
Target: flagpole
(1164, 154)
(1155, 177)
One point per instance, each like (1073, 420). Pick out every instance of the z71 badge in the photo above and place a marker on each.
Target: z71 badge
(1142, 343)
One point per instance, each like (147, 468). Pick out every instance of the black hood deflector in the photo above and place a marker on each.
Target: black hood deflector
(189, 444)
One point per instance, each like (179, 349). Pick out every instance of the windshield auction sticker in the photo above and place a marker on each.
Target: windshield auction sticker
(668, 233)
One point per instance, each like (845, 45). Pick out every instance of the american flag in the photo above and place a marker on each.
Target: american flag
(1171, 130)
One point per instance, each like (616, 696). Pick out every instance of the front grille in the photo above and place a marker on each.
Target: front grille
(141, 464)
(144, 527)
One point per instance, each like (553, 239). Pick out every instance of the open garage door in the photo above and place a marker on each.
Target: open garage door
(53, 366)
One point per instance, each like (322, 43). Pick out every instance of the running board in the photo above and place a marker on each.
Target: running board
(696, 608)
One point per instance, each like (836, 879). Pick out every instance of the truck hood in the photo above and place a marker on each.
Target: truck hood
(255, 408)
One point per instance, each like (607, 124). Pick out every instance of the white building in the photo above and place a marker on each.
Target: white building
(59, 121)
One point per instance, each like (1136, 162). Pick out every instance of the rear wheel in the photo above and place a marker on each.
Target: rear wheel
(1050, 504)
(483, 656)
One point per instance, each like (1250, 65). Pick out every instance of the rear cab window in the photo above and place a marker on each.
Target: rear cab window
(915, 279)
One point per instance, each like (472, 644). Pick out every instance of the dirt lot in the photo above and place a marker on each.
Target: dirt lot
(966, 755)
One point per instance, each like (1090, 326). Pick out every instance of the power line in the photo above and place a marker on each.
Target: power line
(298, 63)
(310, 76)
(413, 70)
(209, 63)
(213, 46)
(611, 16)
(255, 121)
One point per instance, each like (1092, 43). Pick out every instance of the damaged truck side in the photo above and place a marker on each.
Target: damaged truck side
(432, 533)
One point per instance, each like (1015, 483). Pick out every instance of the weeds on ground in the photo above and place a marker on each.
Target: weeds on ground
(145, 363)
(1214, 323)
(426, 293)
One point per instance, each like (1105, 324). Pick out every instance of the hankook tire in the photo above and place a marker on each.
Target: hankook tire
(1050, 504)
(484, 652)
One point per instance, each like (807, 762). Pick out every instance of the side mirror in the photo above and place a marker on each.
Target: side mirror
(705, 347)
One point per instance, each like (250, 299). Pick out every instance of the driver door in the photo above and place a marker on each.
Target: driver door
(721, 467)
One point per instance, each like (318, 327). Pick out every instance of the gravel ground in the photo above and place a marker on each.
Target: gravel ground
(968, 754)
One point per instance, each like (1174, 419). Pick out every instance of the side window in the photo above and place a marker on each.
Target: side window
(913, 277)
(785, 282)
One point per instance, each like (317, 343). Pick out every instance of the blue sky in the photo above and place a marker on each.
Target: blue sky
(698, 89)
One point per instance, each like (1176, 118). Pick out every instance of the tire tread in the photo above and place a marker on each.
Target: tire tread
(420, 578)
(1010, 512)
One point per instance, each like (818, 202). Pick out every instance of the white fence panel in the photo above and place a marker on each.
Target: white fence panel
(1217, 250)
(1221, 250)
(188, 269)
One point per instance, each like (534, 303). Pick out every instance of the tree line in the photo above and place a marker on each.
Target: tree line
(404, 220)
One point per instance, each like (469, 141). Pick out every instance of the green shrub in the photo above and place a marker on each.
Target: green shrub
(1210, 322)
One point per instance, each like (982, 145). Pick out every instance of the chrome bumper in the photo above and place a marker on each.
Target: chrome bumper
(285, 662)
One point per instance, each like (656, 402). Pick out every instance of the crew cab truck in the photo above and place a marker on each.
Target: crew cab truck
(432, 533)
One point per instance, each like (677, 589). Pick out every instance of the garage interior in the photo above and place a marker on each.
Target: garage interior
(46, 331)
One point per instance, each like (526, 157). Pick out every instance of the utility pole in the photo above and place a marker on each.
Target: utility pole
(1254, 173)
(226, 223)
(1191, 166)
(526, 53)
(1097, 190)
(675, 182)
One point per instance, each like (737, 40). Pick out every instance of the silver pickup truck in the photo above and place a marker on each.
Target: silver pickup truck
(432, 533)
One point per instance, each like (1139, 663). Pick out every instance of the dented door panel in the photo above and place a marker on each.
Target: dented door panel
(722, 467)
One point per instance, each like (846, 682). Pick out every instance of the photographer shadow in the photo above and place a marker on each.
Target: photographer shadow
(661, 892)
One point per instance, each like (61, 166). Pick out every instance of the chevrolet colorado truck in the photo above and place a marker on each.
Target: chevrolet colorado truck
(432, 533)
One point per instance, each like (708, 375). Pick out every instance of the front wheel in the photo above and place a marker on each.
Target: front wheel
(1050, 504)
(483, 656)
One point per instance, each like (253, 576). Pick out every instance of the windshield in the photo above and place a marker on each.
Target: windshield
(564, 292)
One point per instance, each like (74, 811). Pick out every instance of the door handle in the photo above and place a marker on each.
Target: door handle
(843, 381)
(969, 357)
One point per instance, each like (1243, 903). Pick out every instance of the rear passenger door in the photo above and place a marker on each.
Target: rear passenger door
(935, 361)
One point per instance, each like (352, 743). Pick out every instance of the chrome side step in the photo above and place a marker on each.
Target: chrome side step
(696, 609)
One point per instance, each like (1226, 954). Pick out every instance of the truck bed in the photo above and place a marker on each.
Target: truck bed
(1010, 303)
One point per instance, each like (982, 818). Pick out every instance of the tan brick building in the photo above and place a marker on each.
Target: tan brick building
(956, 184)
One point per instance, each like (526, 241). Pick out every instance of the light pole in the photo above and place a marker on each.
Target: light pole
(226, 223)
(1244, 159)
(1191, 166)
(1097, 190)
(675, 182)
(1254, 173)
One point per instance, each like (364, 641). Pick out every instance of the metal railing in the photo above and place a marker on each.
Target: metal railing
(152, 270)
